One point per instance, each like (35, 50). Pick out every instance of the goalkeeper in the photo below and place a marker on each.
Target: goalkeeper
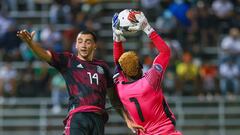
(141, 94)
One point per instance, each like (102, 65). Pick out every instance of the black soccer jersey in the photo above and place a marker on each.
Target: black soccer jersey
(87, 81)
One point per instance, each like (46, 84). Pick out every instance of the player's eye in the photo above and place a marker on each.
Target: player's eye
(79, 41)
(88, 42)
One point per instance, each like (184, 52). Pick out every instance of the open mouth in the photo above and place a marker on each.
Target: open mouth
(84, 51)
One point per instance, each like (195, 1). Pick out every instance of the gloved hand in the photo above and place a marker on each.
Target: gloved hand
(142, 23)
(117, 33)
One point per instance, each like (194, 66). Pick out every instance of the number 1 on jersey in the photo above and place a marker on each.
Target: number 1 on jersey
(140, 114)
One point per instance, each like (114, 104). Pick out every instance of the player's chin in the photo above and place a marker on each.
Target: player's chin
(84, 53)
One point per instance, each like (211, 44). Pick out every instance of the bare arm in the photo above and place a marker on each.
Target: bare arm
(34, 46)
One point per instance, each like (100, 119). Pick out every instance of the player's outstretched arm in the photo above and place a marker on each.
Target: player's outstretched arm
(34, 46)
(117, 38)
(160, 44)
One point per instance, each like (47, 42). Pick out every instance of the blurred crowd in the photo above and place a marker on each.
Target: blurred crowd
(29, 77)
(205, 40)
(192, 28)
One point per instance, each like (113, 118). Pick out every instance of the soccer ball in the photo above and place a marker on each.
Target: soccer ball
(125, 23)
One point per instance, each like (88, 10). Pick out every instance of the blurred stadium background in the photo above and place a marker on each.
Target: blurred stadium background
(201, 84)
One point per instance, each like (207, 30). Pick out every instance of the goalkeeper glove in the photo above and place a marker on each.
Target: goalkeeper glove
(142, 24)
(117, 33)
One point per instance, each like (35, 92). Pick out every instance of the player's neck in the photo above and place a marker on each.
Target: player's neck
(130, 79)
(85, 58)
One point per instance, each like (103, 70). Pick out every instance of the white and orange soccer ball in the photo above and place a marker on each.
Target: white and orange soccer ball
(127, 19)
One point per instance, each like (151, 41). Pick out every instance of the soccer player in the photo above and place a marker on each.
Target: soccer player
(141, 94)
(87, 80)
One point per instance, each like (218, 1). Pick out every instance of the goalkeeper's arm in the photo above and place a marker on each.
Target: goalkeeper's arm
(117, 38)
(162, 47)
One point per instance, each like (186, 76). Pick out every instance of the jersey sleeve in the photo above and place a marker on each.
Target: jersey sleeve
(155, 74)
(164, 51)
(117, 51)
(60, 60)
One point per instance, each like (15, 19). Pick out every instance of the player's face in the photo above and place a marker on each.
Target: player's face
(85, 46)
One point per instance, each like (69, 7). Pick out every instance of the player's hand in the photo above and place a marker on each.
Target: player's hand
(26, 36)
(134, 127)
(142, 23)
(132, 17)
(117, 33)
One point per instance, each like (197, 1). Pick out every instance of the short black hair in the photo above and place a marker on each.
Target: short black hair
(91, 33)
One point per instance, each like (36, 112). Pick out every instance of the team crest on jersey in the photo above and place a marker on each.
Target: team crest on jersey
(100, 70)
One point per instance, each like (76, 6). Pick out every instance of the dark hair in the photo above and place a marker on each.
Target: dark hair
(91, 33)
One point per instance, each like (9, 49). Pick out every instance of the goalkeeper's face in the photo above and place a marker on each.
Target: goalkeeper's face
(85, 46)
(130, 65)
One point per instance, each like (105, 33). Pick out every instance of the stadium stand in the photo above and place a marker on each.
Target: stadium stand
(28, 116)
